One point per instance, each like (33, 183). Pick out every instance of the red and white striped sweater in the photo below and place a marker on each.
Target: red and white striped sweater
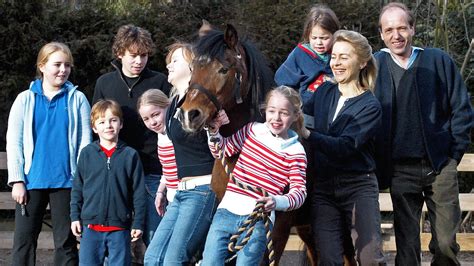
(168, 162)
(266, 161)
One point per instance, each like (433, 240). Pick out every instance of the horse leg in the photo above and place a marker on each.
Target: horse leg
(304, 232)
(280, 234)
(220, 178)
(349, 253)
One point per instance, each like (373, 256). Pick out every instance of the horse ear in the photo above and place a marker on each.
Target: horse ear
(205, 28)
(230, 36)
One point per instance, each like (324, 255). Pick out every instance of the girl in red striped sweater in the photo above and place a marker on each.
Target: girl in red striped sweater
(152, 106)
(272, 158)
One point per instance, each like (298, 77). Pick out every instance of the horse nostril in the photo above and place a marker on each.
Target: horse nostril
(193, 114)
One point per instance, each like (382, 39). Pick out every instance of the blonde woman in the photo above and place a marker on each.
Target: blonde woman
(347, 117)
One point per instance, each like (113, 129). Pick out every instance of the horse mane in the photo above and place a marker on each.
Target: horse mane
(212, 46)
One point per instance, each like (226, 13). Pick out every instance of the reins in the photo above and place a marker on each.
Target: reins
(257, 214)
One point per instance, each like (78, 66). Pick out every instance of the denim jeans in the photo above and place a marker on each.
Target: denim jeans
(183, 229)
(223, 226)
(28, 227)
(96, 245)
(342, 205)
(152, 218)
(412, 184)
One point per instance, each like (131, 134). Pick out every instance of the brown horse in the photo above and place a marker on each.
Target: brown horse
(233, 75)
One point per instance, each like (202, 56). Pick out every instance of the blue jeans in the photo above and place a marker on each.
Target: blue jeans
(95, 245)
(412, 184)
(224, 225)
(152, 218)
(347, 205)
(183, 228)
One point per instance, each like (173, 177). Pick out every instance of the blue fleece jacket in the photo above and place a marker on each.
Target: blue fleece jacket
(446, 113)
(50, 121)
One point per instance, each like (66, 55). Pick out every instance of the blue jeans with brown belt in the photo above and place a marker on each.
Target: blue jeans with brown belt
(413, 182)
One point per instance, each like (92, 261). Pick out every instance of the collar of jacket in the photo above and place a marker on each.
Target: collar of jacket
(118, 66)
(120, 145)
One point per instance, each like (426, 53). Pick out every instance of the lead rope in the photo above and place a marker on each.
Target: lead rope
(257, 214)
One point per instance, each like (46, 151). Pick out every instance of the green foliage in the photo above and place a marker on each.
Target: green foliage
(88, 27)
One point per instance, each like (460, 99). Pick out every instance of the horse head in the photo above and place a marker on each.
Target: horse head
(219, 78)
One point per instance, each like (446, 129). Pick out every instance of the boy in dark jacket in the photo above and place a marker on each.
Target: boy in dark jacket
(131, 77)
(108, 194)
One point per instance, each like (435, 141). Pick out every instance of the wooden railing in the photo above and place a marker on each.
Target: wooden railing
(465, 240)
(45, 240)
(466, 200)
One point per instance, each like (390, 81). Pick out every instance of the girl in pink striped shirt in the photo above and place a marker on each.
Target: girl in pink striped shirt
(152, 106)
(272, 158)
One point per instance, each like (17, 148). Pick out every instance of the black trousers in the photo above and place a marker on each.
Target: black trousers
(28, 227)
(412, 184)
(347, 208)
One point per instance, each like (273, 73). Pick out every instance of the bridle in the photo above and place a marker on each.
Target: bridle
(209, 95)
(236, 90)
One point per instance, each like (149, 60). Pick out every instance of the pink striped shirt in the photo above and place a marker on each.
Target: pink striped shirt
(268, 162)
(168, 161)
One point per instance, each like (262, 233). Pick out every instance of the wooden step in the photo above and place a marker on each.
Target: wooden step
(6, 201)
(45, 240)
(466, 202)
(465, 240)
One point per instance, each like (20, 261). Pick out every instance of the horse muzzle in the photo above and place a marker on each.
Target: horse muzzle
(192, 120)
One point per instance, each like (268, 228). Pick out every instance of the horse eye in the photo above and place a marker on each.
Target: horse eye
(223, 70)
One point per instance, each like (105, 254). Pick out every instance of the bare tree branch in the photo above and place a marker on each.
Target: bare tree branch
(466, 57)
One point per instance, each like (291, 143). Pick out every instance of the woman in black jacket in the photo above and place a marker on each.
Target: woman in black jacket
(346, 118)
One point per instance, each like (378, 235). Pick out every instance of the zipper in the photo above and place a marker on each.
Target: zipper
(124, 81)
(108, 163)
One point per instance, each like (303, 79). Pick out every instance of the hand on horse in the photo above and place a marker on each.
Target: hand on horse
(220, 120)
(305, 132)
(269, 203)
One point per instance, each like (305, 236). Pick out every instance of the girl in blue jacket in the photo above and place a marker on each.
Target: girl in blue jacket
(307, 66)
(48, 126)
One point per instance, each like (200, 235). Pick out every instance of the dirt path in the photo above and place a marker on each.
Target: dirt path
(293, 258)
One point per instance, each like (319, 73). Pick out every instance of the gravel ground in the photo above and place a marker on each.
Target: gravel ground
(292, 258)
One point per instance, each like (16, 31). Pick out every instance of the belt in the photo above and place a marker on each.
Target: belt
(192, 183)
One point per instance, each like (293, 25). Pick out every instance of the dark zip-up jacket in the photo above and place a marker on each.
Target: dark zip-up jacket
(110, 191)
(345, 146)
(446, 113)
(113, 86)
